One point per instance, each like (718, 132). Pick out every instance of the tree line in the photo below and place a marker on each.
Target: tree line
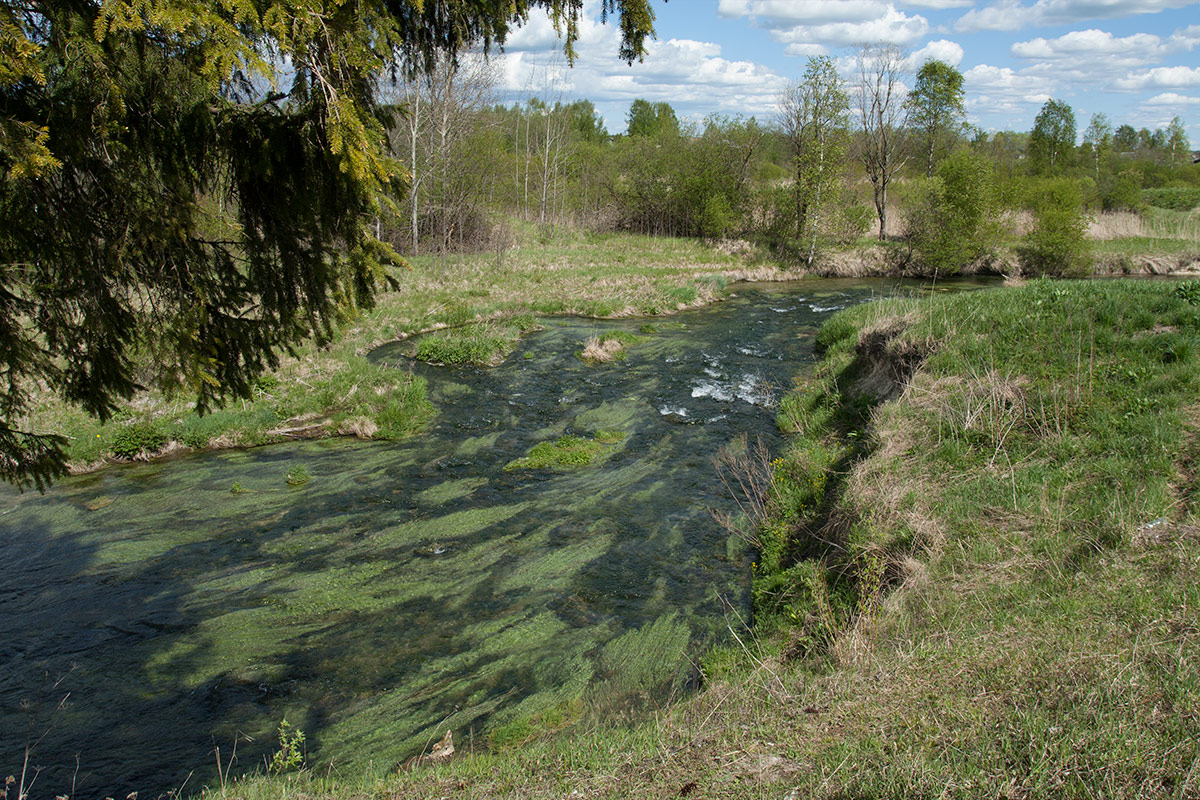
(841, 157)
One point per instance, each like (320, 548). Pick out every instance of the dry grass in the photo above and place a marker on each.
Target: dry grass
(1127, 225)
(601, 351)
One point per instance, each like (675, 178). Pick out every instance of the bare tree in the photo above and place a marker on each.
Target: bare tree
(883, 116)
(440, 110)
(813, 114)
(548, 146)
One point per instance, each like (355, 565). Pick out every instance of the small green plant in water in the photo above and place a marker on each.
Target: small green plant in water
(290, 754)
(237, 488)
(298, 475)
(566, 451)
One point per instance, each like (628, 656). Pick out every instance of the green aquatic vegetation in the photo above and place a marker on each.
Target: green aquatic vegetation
(613, 415)
(450, 490)
(480, 344)
(298, 475)
(559, 564)
(565, 452)
(475, 444)
(444, 528)
(640, 661)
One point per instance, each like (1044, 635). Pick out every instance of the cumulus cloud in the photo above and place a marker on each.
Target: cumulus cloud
(1172, 99)
(890, 27)
(782, 14)
(1159, 78)
(1011, 15)
(1094, 45)
(805, 23)
(1004, 92)
(805, 50)
(691, 75)
(941, 49)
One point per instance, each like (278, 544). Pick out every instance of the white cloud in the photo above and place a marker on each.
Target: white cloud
(691, 75)
(940, 49)
(1159, 78)
(1094, 46)
(1172, 99)
(1005, 92)
(782, 14)
(1010, 15)
(833, 22)
(890, 27)
(940, 5)
(805, 50)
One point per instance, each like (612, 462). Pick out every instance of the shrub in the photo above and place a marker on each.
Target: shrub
(851, 223)
(1176, 198)
(139, 438)
(1057, 244)
(953, 219)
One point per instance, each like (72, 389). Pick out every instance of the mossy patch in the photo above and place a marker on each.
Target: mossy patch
(567, 452)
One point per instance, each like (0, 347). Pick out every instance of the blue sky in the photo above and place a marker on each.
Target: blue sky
(1138, 61)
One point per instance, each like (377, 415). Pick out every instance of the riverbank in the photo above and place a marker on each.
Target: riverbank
(476, 307)
(481, 304)
(980, 566)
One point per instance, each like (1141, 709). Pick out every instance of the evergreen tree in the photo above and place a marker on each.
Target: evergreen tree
(165, 185)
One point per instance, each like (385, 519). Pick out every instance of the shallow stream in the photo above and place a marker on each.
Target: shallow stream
(153, 614)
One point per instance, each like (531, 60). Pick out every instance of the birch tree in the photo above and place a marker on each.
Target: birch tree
(935, 108)
(815, 116)
(883, 115)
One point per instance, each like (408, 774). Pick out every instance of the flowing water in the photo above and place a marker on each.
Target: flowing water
(152, 614)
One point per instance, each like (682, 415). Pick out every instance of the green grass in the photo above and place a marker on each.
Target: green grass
(482, 344)
(1145, 246)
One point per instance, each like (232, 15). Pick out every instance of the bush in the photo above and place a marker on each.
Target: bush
(1177, 198)
(139, 438)
(852, 223)
(1121, 192)
(1057, 245)
(953, 221)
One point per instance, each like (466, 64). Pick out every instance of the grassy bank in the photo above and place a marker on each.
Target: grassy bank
(473, 309)
(476, 307)
(979, 575)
